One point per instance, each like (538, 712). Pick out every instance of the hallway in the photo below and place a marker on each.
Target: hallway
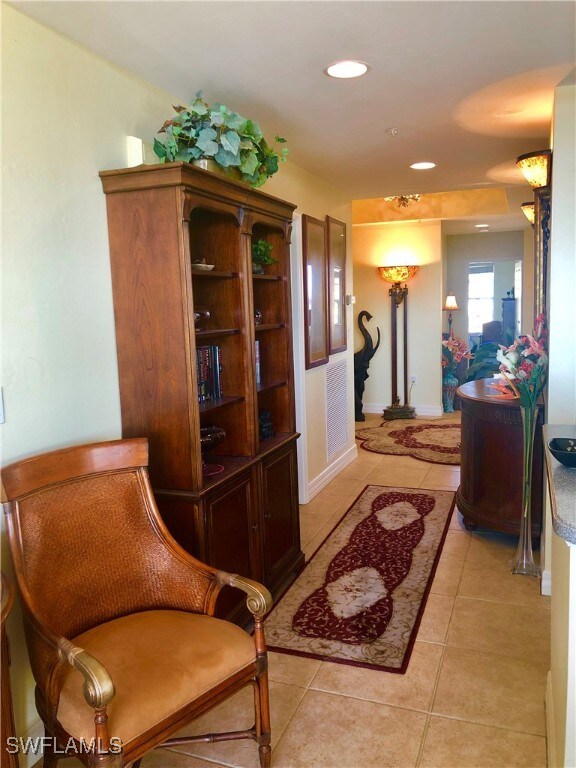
(473, 696)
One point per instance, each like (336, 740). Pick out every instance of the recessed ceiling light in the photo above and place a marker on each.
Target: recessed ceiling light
(346, 69)
(481, 226)
(423, 166)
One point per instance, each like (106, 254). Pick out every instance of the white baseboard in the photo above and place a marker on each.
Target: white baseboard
(424, 411)
(328, 474)
(429, 411)
(546, 583)
(550, 732)
(374, 407)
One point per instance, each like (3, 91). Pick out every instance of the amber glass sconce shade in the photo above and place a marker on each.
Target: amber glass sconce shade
(528, 211)
(397, 274)
(535, 167)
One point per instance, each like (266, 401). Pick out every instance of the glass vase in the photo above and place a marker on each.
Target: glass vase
(523, 562)
(449, 387)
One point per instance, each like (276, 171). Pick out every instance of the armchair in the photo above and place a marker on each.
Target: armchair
(119, 619)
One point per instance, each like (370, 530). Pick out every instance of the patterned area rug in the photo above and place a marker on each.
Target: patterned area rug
(435, 440)
(360, 598)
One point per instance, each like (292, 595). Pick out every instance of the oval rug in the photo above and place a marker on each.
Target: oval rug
(433, 440)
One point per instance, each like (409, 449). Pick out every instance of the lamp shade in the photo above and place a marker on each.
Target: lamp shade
(450, 303)
(528, 211)
(397, 274)
(536, 167)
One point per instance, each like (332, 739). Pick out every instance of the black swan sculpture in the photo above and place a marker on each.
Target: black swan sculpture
(361, 362)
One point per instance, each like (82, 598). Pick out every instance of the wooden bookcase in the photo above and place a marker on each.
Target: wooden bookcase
(161, 220)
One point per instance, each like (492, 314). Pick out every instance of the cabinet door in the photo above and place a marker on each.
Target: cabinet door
(233, 537)
(281, 536)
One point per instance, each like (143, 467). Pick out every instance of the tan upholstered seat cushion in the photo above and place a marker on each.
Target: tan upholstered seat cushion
(159, 662)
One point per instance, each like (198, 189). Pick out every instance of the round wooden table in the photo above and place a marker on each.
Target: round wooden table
(490, 492)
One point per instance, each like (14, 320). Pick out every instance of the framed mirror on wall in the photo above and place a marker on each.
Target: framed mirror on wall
(336, 239)
(315, 291)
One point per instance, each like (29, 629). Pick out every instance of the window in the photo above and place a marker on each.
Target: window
(480, 296)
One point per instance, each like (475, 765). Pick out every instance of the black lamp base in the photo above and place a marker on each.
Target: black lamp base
(399, 412)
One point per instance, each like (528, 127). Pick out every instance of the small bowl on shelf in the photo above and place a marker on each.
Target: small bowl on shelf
(564, 450)
(199, 266)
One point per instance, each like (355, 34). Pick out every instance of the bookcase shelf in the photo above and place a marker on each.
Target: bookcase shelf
(161, 219)
(273, 278)
(200, 275)
(212, 405)
(271, 385)
(212, 332)
(269, 327)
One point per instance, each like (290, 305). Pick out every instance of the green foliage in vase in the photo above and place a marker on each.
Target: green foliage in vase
(484, 364)
(216, 133)
(262, 253)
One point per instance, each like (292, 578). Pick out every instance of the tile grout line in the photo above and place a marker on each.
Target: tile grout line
(435, 688)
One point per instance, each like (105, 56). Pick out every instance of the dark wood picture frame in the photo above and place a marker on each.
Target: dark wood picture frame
(315, 287)
(336, 239)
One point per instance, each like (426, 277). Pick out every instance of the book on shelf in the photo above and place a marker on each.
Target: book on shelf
(257, 362)
(209, 372)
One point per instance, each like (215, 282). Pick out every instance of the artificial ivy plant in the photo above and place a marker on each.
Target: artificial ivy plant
(215, 132)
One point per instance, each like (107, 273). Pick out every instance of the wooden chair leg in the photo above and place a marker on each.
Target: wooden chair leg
(262, 710)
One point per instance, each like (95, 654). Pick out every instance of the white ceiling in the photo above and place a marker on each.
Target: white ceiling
(468, 85)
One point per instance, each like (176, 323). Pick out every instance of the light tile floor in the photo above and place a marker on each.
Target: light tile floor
(473, 695)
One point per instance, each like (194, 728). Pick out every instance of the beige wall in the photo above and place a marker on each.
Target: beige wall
(317, 198)
(59, 356)
(406, 242)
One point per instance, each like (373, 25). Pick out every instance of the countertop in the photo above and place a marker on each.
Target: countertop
(562, 482)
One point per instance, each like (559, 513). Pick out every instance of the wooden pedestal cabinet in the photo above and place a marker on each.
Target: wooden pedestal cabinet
(490, 492)
(201, 346)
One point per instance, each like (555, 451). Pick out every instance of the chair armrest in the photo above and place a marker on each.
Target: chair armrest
(259, 599)
(98, 686)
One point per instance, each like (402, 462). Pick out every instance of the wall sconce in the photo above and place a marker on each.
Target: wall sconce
(450, 305)
(398, 295)
(536, 167)
(528, 211)
(537, 170)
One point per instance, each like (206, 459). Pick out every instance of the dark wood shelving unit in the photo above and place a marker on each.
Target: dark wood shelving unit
(161, 219)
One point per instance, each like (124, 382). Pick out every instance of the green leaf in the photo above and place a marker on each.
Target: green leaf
(199, 107)
(216, 118)
(206, 143)
(236, 122)
(159, 150)
(271, 164)
(252, 130)
(249, 163)
(186, 154)
(230, 141)
(226, 159)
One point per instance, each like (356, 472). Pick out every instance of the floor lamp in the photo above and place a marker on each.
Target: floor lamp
(450, 305)
(398, 295)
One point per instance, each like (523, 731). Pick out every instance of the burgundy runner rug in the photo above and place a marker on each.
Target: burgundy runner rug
(360, 598)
